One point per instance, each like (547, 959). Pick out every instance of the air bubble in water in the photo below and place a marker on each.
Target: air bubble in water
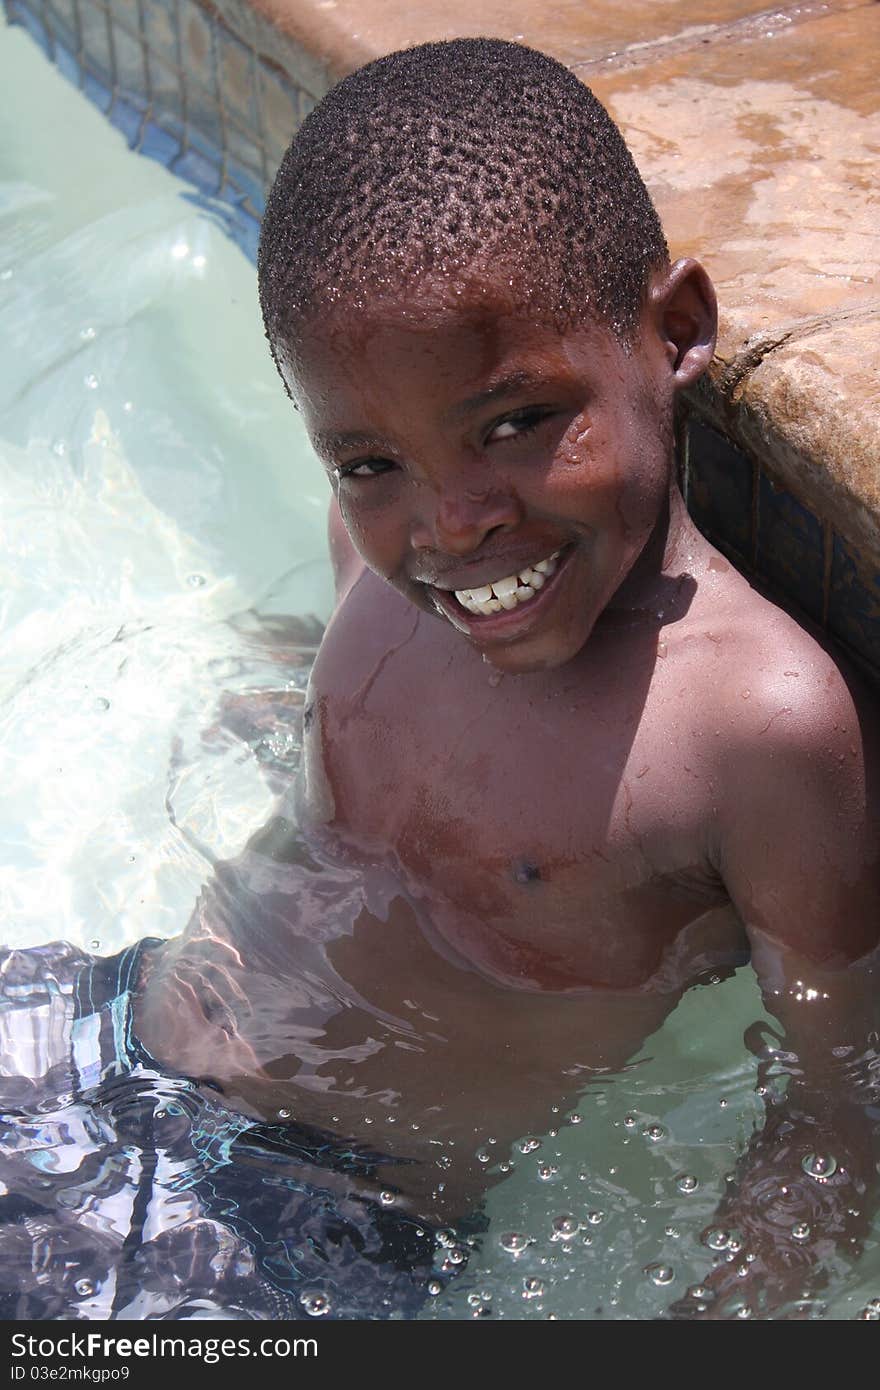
(196, 581)
(527, 1146)
(686, 1182)
(660, 1274)
(91, 381)
(101, 704)
(84, 1288)
(94, 944)
(514, 1242)
(284, 1113)
(595, 1217)
(801, 1231)
(630, 1121)
(317, 1305)
(386, 1198)
(716, 1238)
(546, 1171)
(532, 1288)
(820, 1166)
(483, 1156)
(87, 334)
(434, 1288)
(564, 1227)
(59, 448)
(655, 1133)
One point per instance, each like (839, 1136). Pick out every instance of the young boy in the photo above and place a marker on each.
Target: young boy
(560, 758)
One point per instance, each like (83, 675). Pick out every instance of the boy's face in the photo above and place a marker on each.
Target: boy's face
(471, 447)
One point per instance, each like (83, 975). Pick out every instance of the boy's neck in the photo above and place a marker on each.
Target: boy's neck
(645, 594)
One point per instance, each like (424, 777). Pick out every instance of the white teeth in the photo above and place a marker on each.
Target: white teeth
(510, 591)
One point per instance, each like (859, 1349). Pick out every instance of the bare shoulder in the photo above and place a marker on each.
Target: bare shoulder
(773, 678)
(798, 771)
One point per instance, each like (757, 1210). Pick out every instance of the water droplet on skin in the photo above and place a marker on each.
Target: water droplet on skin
(514, 1242)
(660, 1274)
(655, 1133)
(84, 1288)
(91, 381)
(317, 1305)
(801, 1231)
(687, 1183)
(820, 1166)
(532, 1288)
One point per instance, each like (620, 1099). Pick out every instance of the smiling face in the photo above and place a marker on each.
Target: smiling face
(503, 476)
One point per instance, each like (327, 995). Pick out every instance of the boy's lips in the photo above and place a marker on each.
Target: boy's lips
(507, 622)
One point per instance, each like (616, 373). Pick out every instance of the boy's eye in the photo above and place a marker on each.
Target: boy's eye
(520, 423)
(364, 468)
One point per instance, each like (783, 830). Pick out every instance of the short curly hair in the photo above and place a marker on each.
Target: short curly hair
(434, 157)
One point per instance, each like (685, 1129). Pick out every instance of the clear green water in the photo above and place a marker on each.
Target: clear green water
(155, 491)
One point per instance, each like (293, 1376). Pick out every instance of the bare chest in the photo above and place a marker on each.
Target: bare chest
(551, 830)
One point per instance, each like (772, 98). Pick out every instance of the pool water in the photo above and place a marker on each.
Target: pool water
(164, 582)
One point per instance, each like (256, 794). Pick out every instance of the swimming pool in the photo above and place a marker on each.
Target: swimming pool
(165, 580)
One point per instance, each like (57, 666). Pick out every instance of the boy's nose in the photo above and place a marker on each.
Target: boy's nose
(460, 522)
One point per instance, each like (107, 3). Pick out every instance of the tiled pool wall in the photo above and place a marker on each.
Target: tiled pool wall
(215, 93)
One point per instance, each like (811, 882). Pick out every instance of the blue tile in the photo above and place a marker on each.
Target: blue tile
(195, 168)
(95, 36)
(159, 144)
(160, 28)
(97, 91)
(20, 14)
(60, 17)
(720, 490)
(197, 46)
(128, 117)
(130, 62)
(237, 78)
(791, 548)
(164, 84)
(854, 601)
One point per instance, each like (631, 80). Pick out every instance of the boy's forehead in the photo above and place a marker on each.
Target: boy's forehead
(467, 325)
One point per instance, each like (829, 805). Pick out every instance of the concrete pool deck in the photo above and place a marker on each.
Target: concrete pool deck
(758, 132)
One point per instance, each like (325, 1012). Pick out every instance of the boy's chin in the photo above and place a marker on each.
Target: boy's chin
(542, 652)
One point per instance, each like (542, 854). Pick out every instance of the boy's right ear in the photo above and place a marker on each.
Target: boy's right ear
(685, 310)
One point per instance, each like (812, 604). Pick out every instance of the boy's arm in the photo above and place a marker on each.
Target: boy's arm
(799, 851)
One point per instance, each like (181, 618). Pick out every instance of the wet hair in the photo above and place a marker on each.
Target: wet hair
(473, 152)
